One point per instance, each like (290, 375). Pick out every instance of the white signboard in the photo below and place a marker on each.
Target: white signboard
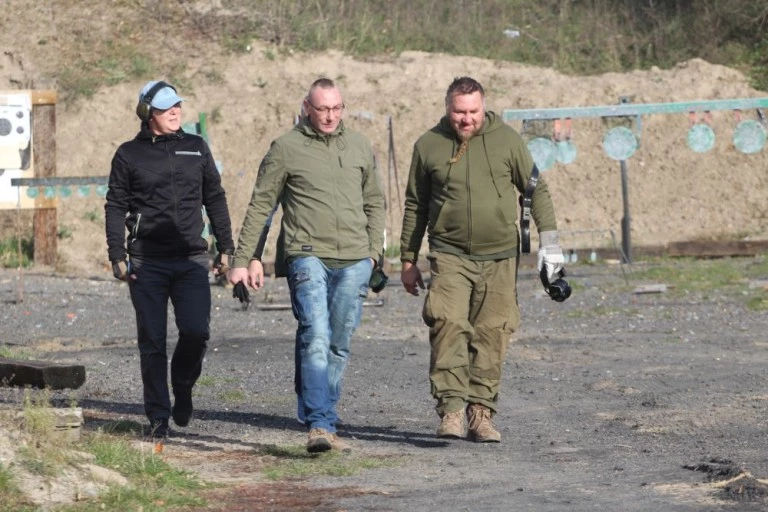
(15, 146)
(15, 131)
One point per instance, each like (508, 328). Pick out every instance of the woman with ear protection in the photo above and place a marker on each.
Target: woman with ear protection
(158, 184)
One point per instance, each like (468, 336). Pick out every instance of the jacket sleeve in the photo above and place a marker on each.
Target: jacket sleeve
(116, 207)
(215, 202)
(542, 208)
(373, 206)
(416, 214)
(266, 192)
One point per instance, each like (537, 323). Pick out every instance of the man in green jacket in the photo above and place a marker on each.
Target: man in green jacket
(324, 177)
(462, 189)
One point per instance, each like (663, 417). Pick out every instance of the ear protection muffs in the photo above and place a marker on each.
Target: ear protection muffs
(559, 290)
(144, 107)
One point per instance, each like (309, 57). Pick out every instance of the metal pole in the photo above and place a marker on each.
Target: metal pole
(394, 164)
(624, 109)
(626, 220)
(390, 148)
(202, 125)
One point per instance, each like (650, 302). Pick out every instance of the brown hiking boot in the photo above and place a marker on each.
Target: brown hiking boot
(452, 424)
(480, 425)
(339, 445)
(319, 441)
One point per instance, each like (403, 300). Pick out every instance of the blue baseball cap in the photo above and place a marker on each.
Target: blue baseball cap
(163, 99)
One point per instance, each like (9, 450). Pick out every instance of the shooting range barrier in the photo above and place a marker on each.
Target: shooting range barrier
(28, 149)
(622, 139)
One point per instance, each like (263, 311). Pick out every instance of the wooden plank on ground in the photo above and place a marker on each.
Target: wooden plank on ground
(696, 249)
(40, 374)
(650, 288)
(275, 306)
(717, 249)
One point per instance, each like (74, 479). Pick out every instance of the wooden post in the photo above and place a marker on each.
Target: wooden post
(44, 154)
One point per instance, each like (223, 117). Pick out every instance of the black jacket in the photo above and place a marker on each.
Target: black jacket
(157, 188)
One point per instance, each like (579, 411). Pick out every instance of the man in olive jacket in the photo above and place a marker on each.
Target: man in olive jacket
(324, 177)
(462, 189)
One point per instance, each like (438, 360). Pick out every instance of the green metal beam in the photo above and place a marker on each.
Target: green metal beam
(634, 109)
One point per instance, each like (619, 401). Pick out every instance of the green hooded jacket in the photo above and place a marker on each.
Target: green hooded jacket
(470, 208)
(328, 187)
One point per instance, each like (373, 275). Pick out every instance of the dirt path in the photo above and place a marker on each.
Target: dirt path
(613, 400)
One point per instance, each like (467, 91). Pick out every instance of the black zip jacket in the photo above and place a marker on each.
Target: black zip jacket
(157, 188)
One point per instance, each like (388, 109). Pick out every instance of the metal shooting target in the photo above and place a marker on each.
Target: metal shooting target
(566, 151)
(701, 138)
(620, 143)
(544, 152)
(749, 136)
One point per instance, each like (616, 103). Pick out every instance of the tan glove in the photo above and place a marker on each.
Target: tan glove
(221, 264)
(121, 269)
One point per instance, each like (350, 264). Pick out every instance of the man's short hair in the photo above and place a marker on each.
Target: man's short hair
(320, 83)
(463, 85)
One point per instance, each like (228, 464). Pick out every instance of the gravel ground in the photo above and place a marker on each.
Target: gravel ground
(613, 400)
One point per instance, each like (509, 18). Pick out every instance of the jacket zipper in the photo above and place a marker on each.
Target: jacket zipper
(173, 184)
(136, 227)
(334, 176)
(469, 203)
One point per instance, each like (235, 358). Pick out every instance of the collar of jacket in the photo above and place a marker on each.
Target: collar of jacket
(305, 128)
(146, 134)
(491, 122)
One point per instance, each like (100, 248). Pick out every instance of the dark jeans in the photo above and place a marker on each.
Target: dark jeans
(184, 281)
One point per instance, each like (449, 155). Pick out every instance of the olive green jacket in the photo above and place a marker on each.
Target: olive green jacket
(470, 208)
(328, 187)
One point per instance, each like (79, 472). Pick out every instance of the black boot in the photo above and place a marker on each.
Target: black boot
(158, 429)
(182, 408)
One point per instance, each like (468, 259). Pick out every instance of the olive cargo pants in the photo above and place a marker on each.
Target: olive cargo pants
(471, 310)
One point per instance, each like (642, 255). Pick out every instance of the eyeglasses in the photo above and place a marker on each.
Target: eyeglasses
(337, 110)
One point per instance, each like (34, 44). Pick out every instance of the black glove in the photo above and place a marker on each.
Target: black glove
(240, 292)
(378, 280)
(121, 269)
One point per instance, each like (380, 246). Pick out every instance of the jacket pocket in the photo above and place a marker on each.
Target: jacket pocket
(435, 209)
(508, 208)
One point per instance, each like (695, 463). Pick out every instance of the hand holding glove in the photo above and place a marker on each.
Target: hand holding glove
(121, 269)
(221, 264)
(378, 280)
(550, 254)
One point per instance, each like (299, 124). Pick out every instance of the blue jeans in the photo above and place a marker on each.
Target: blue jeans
(328, 304)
